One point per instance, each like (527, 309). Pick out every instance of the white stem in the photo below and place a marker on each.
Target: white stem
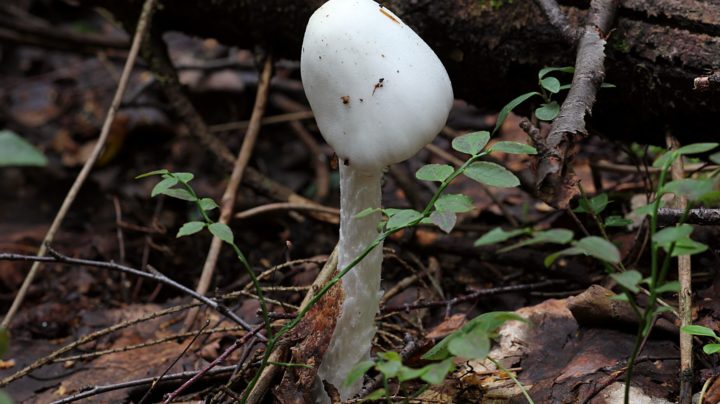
(355, 328)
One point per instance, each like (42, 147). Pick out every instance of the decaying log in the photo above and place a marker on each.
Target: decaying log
(657, 49)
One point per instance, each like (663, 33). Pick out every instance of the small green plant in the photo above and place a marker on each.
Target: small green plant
(471, 342)
(177, 185)
(700, 331)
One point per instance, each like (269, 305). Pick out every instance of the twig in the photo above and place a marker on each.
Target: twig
(143, 23)
(701, 216)
(271, 207)
(228, 199)
(268, 120)
(685, 293)
(141, 382)
(237, 344)
(472, 296)
(558, 19)
(555, 180)
(88, 338)
(631, 169)
(56, 257)
(167, 369)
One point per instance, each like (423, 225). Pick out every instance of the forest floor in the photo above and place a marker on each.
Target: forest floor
(574, 350)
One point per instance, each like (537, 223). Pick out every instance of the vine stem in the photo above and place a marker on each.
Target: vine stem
(142, 27)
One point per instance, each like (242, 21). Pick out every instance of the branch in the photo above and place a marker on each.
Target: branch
(56, 257)
(558, 19)
(556, 181)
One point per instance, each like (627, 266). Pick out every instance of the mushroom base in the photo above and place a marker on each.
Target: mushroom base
(355, 328)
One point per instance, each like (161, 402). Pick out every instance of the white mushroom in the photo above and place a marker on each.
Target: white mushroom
(379, 94)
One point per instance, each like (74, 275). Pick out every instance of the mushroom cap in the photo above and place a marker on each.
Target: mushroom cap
(378, 91)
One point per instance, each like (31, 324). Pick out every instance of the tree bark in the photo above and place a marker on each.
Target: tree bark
(655, 52)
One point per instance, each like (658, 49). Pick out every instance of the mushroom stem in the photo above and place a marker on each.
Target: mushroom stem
(355, 328)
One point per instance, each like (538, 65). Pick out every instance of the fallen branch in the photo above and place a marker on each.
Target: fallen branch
(555, 179)
(557, 19)
(707, 83)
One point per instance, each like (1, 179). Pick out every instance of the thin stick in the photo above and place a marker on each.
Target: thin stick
(685, 295)
(142, 26)
(271, 207)
(242, 125)
(156, 276)
(228, 198)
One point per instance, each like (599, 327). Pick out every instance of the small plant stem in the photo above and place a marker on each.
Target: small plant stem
(685, 293)
(514, 379)
(230, 194)
(143, 23)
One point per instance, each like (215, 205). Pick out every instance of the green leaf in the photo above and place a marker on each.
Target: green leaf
(367, 212)
(389, 367)
(190, 228)
(698, 330)
(16, 151)
(673, 286)
(222, 231)
(510, 106)
(598, 247)
(456, 203)
(551, 84)
(498, 235)
(376, 395)
(555, 236)
(643, 210)
(402, 218)
(153, 173)
(491, 321)
(358, 371)
(665, 237)
(491, 174)
(595, 205)
(547, 111)
(471, 143)
(474, 345)
(207, 204)
(406, 373)
(622, 297)
(434, 172)
(544, 71)
(440, 350)
(163, 186)
(181, 194)
(513, 148)
(696, 148)
(691, 188)
(715, 158)
(444, 220)
(688, 246)
(5, 398)
(184, 177)
(666, 159)
(437, 372)
(628, 279)
(710, 349)
(617, 221)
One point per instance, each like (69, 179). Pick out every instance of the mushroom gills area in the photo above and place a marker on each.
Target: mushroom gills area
(355, 328)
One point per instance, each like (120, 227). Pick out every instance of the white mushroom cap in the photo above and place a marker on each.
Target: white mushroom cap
(378, 91)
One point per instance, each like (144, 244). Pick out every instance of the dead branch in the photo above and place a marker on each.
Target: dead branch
(700, 216)
(707, 83)
(555, 179)
(558, 19)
